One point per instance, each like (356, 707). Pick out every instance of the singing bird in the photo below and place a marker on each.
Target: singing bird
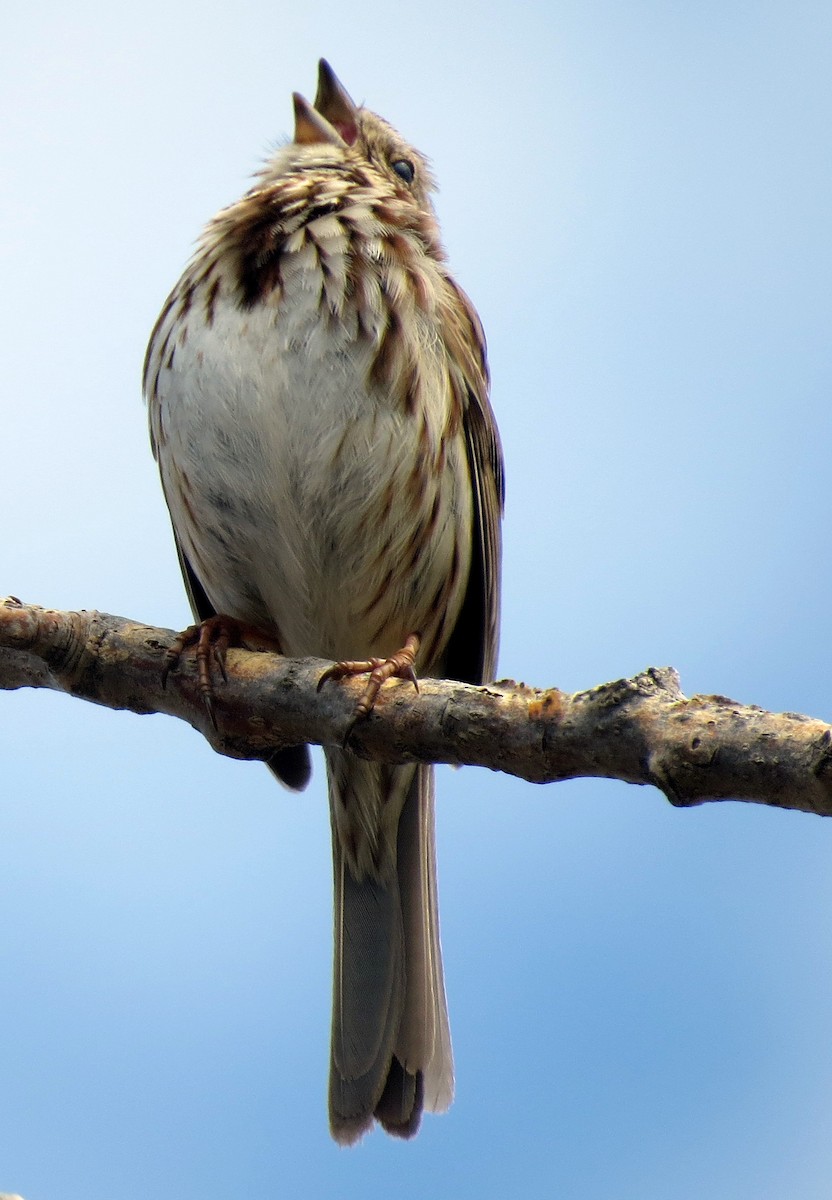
(318, 397)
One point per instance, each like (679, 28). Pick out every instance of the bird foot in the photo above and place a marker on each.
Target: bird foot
(397, 666)
(212, 639)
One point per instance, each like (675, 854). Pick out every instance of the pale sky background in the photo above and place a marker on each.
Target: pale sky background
(637, 196)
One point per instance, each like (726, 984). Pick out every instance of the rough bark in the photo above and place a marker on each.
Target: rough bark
(639, 730)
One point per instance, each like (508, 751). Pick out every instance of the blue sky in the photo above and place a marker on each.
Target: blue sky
(637, 198)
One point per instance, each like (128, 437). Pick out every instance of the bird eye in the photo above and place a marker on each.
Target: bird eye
(404, 168)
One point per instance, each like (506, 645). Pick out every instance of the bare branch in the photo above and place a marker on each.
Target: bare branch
(640, 730)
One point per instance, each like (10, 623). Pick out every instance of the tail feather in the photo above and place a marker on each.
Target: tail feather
(391, 1050)
(424, 1041)
(399, 1110)
(368, 987)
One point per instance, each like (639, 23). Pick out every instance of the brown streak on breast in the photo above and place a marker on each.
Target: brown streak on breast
(414, 549)
(433, 517)
(438, 640)
(456, 409)
(357, 288)
(421, 289)
(398, 247)
(381, 591)
(187, 299)
(342, 441)
(157, 328)
(412, 389)
(313, 241)
(415, 483)
(211, 300)
(388, 496)
(389, 210)
(383, 366)
(184, 490)
(259, 238)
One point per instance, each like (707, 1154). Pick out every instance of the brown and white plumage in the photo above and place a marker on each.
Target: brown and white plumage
(318, 397)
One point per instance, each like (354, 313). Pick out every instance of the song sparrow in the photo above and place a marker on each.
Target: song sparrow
(318, 396)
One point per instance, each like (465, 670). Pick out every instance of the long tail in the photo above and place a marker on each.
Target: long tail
(391, 1045)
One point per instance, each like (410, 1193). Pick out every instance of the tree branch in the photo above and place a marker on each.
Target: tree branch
(639, 730)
